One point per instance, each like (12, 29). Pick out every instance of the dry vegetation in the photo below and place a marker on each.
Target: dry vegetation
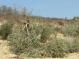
(43, 37)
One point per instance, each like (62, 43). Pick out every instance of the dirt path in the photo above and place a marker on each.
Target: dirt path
(5, 53)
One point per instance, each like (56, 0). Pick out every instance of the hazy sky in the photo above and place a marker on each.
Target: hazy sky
(47, 8)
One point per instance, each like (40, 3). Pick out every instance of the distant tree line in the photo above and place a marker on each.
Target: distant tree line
(9, 12)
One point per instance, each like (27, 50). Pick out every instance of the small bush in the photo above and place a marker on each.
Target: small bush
(37, 28)
(46, 32)
(76, 18)
(6, 29)
(19, 41)
(61, 23)
(35, 53)
(57, 48)
(74, 46)
(72, 30)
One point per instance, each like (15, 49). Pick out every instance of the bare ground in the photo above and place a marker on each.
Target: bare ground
(5, 53)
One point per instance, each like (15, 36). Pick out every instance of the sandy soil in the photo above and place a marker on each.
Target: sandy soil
(4, 50)
(5, 53)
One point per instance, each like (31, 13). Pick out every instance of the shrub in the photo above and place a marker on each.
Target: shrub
(35, 53)
(6, 29)
(57, 48)
(76, 18)
(19, 41)
(61, 23)
(44, 31)
(37, 28)
(30, 45)
(74, 46)
(45, 34)
(23, 43)
(71, 30)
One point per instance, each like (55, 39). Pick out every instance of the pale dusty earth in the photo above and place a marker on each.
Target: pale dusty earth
(5, 53)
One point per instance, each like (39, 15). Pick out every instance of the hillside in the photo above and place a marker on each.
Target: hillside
(25, 36)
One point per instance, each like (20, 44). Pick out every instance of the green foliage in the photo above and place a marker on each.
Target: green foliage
(13, 13)
(57, 48)
(30, 45)
(37, 28)
(44, 30)
(35, 53)
(74, 46)
(76, 18)
(3, 10)
(45, 34)
(6, 29)
(19, 41)
(72, 30)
